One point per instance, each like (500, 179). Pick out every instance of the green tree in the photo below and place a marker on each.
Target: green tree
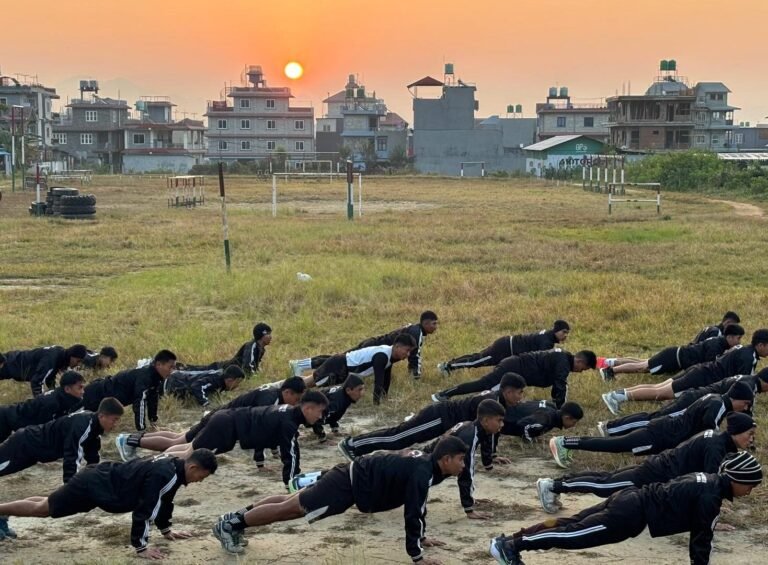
(397, 157)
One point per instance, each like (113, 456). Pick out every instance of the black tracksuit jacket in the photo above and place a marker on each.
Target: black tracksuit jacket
(248, 357)
(198, 384)
(413, 330)
(137, 387)
(704, 414)
(37, 410)
(541, 369)
(708, 332)
(384, 481)
(338, 403)
(268, 427)
(703, 351)
(739, 360)
(704, 453)
(529, 420)
(37, 366)
(540, 341)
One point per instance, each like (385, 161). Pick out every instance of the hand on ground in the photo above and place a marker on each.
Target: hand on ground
(153, 554)
(173, 536)
(502, 461)
(725, 527)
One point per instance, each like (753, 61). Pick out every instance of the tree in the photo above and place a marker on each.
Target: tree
(397, 157)
(280, 159)
(369, 156)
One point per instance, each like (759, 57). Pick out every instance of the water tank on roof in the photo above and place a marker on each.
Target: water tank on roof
(350, 93)
(563, 91)
(510, 109)
(83, 84)
(141, 105)
(361, 93)
(552, 91)
(449, 68)
(672, 65)
(519, 109)
(94, 84)
(664, 65)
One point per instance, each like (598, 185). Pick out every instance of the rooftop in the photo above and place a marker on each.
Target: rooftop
(553, 142)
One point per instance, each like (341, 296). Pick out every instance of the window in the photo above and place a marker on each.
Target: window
(738, 138)
(701, 117)
(222, 124)
(114, 116)
(271, 124)
(561, 121)
(381, 144)
(326, 127)
(91, 116)
(715, 140)
(245, 103)
(299, 146)
(138, 139)
(298, 124)
(245, 124)
(717, 116)
(655, 132)
(685, 137)
(700, 140)
(245, 146)
(4, 101)
(634, 136)
(589, 122)
(270, 104)
(270, 145)
(60, 138)
(86, 139)
(223, 145)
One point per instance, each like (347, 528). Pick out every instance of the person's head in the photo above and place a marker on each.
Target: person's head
(730, 318)
(762, 380)
(428, 321)
(164, 362)
(262, 333)
(490, 414)
(584, 360)
(200, 464)
(744, 471)
(741, 428)
(292, 389)
(741, 396)
(402, 347)
(512, 388)
(760, 342)
(561, 329)
(72, 383)
(233, 376)
(733, 334)
(76, 354)
(107, 356)
(571, 413)
(109, 412)
(313, 404)
(354, 388)
(449, 454)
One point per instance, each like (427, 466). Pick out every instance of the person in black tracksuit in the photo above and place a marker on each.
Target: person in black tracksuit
(340, 398)
(509, 345)
(289, 392)
(532, 419)
(259, 429)
(200, 385)
(136, 387)
(99, 361)
(248, 357)
(41, 366)
(145, 487)
(63, 400)
(375, 483)
(432, 421)
(703, 453)
(538, 368)
(662, 433)
(74, 438)
(717, 330)
(427, 325)
(620, 426)
(375, 360)
(690, 503)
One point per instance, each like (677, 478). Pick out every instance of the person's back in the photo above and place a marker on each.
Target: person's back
(39, 410)
(539, 341)
(702, 453)
(361, 361)
(705, 413)
(265, 395)
(266, 426)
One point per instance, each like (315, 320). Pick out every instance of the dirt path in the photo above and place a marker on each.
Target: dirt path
(743, 209)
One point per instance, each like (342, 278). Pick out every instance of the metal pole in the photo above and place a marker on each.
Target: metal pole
(225, 225)
(23, 157)
(658, 201)
(37, 190)
(609, 203)
(274, 196)
(350, 201)
(13, 149)
(360, 195)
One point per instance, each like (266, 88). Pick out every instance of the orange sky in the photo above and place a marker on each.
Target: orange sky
(512, 49)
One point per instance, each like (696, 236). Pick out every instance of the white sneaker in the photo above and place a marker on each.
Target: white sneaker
(602, 430)
(295, 369)
(443, 369)
(612, 403)
(546, 496)
(127, 452)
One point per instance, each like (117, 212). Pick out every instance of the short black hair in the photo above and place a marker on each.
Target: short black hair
(560, 325)
(449, 445)
(589, 357)
(512, 380)
(489, 408)
(573, 410)
(110, 406)
(733, 316)
(70, 378)
(427, 315)
(109, 351)
(260, 330)
(733, 329)
(78, 350)
(205, 458)
(294, 384)
(233, 372)
(164, 355)
(315, 397)
(405, 339)
(760, 336)
(353, 381)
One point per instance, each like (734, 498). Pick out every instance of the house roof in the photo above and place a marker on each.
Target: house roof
(713, 86)
(340, 96)
(426, 81)
(552, 142)
(393, 119)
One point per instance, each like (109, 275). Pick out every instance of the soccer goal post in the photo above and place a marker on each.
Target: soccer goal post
(331, 176)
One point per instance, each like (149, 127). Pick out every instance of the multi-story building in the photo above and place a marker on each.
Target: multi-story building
(560, 116)
(91, 130)
(672, 115)
(31, 105)
(154, 141)
(750, 138)
(255, 122)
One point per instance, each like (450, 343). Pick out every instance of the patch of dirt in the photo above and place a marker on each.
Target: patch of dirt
(743, 209)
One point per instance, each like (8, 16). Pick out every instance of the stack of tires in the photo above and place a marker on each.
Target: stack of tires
(53, 200)
(78, 207)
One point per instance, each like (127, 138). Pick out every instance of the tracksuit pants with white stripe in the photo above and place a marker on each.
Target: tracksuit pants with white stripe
(638, 442)
(604, 484)
(488, 357)
(617, 519)
(14, 456)
(424, 426)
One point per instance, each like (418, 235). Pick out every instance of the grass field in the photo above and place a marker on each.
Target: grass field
(491, 257)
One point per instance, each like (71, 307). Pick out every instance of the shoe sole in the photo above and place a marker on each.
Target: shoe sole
(540, 492)
(344, 453)
(119, 446)
(555, 456)
(495, 554)
(436, 399)
(223, 545)
(612, 410)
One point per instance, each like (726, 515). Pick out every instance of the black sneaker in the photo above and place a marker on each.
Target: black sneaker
(346, 450)
(607, 374)
(504, 553)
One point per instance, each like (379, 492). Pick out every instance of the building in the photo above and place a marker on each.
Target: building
(560, 116)
(561, 152)
(90, 132)
(671, 115)
(35, 113)
(257, 122)
(750, 138)
(154, 141)
(447, 137)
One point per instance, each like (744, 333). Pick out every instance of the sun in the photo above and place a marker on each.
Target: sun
(294, 70)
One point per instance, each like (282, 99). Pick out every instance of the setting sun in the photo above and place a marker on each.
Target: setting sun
(294, 70)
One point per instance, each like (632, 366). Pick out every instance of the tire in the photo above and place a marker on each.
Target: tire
(63, 191)
(76, 210)
(79, 216)
(78, 200)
